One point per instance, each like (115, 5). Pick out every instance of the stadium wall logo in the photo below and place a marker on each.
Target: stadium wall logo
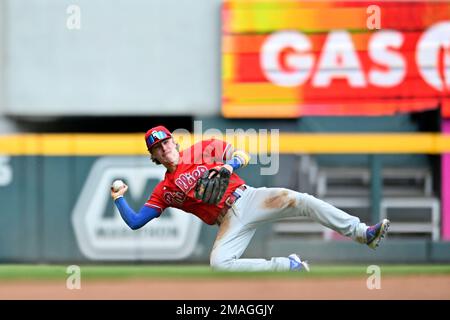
(102, 235)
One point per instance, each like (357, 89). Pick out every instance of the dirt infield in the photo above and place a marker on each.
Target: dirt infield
(404, 287)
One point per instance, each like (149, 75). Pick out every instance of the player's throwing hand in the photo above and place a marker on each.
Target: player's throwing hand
(117, 194)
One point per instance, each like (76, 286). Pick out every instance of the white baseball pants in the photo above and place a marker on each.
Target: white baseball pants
(260, 205)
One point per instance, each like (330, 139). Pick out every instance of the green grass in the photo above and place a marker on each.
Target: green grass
(44, 272)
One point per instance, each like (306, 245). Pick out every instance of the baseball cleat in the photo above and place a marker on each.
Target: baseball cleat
(297, 264)
(375, 233)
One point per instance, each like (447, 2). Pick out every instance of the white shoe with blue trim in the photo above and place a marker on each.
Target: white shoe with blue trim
(297, 264)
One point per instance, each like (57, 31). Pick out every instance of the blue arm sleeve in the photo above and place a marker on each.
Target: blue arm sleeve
(240, 159)
(132, 219)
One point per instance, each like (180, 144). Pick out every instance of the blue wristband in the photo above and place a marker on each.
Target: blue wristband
(235, 163)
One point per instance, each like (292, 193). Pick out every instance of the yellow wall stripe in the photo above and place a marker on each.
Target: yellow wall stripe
(133, 144)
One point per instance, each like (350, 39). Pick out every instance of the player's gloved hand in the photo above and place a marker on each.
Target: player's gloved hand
(213, 184)
(120, 193)
(226, 166)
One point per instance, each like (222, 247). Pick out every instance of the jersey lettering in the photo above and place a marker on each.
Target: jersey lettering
(186, 181)
(176, 190)
(174, 198)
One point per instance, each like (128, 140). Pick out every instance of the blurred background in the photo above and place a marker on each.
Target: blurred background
(359, 91)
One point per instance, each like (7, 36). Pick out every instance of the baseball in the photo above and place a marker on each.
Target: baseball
(117, 185)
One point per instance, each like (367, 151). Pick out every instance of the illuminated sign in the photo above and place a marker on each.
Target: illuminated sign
(287, 64)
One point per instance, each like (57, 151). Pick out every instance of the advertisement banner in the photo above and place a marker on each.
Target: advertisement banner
(287, 59)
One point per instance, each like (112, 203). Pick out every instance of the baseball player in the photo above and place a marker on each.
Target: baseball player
(202, 180)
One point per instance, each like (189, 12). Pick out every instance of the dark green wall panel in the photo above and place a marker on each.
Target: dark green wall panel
(36, 221)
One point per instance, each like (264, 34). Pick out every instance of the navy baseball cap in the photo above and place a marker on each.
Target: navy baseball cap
(155, 135)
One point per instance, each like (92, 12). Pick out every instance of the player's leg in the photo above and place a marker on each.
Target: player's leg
(232, 239)
(276, 203)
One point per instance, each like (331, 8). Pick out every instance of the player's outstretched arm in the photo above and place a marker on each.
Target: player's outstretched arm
(132, 219)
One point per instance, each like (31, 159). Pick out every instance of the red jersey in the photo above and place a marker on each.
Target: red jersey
(177, 188)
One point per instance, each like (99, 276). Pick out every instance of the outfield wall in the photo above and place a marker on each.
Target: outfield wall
(57, 208)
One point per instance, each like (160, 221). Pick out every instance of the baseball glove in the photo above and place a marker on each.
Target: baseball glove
(211, 186)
